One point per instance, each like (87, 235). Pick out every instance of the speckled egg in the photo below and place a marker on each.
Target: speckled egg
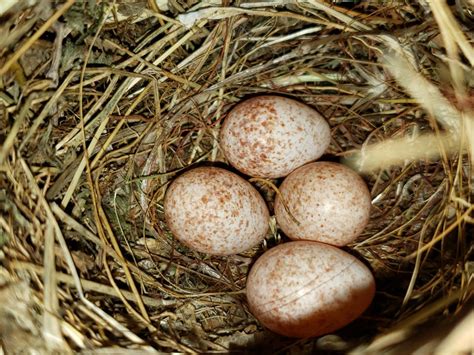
(270, 136)
(328, 202)
(305, 289)
(215, 211)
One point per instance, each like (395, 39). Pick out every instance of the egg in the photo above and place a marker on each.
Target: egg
(215, 211)
(328, 202)
(305, 289)
(270, 136)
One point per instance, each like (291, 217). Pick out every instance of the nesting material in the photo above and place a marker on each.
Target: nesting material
(103, 104)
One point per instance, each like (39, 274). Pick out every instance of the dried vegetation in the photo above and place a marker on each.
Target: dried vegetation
(102, 103)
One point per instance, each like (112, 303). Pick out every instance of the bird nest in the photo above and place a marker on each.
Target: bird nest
(102, 103)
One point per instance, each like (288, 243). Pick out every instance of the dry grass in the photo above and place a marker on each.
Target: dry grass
(101, 109)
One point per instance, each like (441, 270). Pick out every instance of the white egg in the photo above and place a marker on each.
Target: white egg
(270, 136)
(328, 202)
(215, 211)
(305, 289)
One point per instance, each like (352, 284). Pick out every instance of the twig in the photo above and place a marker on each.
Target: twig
(442, 235)
(67, 255)
(19, 52)
(92, 286)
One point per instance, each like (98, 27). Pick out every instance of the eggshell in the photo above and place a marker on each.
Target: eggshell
(330, 203)
(305, 289)
(215, 211)
(270, 136)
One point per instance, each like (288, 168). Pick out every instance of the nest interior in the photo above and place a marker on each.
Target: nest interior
(103, 103)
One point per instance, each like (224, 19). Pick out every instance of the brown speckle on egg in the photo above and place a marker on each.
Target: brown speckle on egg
(270, 136)
(329, 202)
(305, 289)
(215, 211)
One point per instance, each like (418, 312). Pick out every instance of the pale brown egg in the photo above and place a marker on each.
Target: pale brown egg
(215, 211)
(305, 289)
(328, 202)
(270, 136)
